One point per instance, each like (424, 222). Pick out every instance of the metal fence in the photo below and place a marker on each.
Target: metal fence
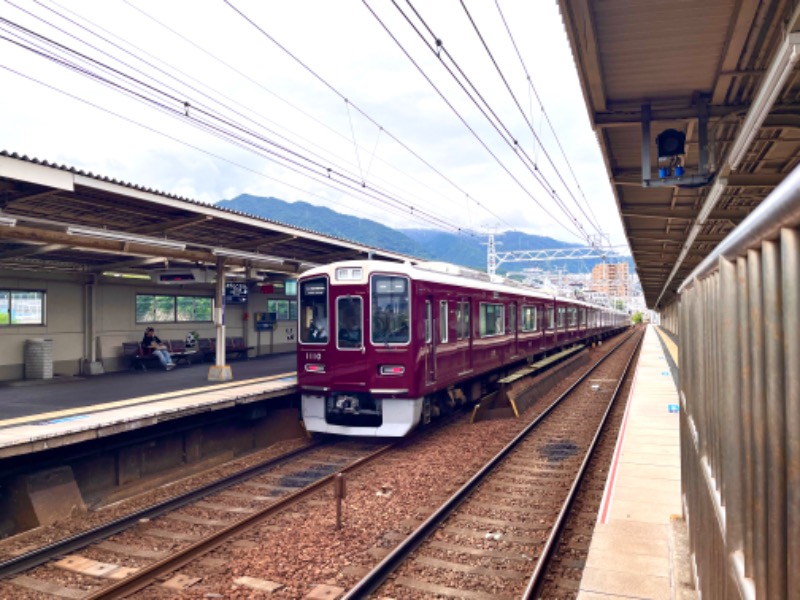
(739, 342)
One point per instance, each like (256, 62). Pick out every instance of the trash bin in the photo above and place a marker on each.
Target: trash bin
(38, 359)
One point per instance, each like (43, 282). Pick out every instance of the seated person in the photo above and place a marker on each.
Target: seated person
(151, 344)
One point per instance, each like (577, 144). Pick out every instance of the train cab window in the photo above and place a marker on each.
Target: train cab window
(349, 317)
(390, 310)
(551, 320)
(462, 320)
(314, 311)
(529, 318)
(443, 325)
(492, 319)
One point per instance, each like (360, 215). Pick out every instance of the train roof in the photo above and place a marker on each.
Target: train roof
(442, 272)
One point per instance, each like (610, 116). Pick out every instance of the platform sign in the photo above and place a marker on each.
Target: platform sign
(265, 321)
(673, 408)
(235, 292)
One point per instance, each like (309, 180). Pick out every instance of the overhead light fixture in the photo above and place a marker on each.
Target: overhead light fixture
(772, 84)
(8, 221)
(119, 236)
(245, 255)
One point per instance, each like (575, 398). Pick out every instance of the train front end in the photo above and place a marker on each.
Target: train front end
(355, 350)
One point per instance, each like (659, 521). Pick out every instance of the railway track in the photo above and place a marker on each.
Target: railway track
(163, 558)
(239, 501)
(493, 538)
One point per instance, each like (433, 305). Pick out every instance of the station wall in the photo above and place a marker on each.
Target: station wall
(69, 313)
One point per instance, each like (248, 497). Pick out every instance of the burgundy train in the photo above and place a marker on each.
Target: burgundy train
(383, 345)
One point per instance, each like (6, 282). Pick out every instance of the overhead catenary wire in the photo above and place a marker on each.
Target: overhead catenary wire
(524, 116)
(187, 104)
(461, 118)
(351, 182)
(356, 108)
(529, 79)
(491, 116)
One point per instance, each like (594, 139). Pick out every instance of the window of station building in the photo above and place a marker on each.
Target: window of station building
(22, 307)
(151, 308)
(285, 310)
(443, 321)
(462, 320)
(529, 318)
(492, 319)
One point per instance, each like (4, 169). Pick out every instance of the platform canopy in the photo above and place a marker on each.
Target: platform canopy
(57, 218)
(723, 76)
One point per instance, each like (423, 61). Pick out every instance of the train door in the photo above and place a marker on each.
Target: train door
(513, 330)
(430, 342)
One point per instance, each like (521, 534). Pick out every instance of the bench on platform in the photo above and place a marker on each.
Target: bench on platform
(139, 360)
(234, 348)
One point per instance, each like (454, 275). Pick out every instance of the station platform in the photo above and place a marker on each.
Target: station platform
(639, 547)
(45, 414)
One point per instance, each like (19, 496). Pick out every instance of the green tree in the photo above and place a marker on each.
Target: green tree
(637, 317)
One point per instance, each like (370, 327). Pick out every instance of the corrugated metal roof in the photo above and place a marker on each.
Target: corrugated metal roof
(669, 55)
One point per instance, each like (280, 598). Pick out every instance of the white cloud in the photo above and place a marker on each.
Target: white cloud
(344, 44)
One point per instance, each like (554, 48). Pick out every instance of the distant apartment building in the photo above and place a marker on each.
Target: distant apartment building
(611, 279)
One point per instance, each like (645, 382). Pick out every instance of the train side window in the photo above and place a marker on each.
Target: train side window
(443, 321)
(492, 319)
(462, 320)
(428, 321)
(349, 317)
(529, 318)
(551, 321)
(512, 317)
(560, 317)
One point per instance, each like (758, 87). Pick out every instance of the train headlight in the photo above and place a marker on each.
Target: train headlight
(315, 368)
(392, 370)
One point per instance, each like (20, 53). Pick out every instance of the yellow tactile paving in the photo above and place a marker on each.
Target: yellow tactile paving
(629, 554)
(671, 347)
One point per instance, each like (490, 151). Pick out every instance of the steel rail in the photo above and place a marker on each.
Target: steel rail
(537, 577)
(378, 575)
(144, 577)
(80, 540)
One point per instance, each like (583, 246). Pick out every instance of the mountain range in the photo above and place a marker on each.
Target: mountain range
(429, 244)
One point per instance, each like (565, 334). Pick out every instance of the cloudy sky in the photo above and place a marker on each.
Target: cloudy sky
(343, 103)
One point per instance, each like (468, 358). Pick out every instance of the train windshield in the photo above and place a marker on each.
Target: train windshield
(314, 311)
(390, 310)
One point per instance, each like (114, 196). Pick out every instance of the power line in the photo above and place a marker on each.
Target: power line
(546, 116)
(495, 120)
(295, 160)
(361, 112)
(522, 112)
